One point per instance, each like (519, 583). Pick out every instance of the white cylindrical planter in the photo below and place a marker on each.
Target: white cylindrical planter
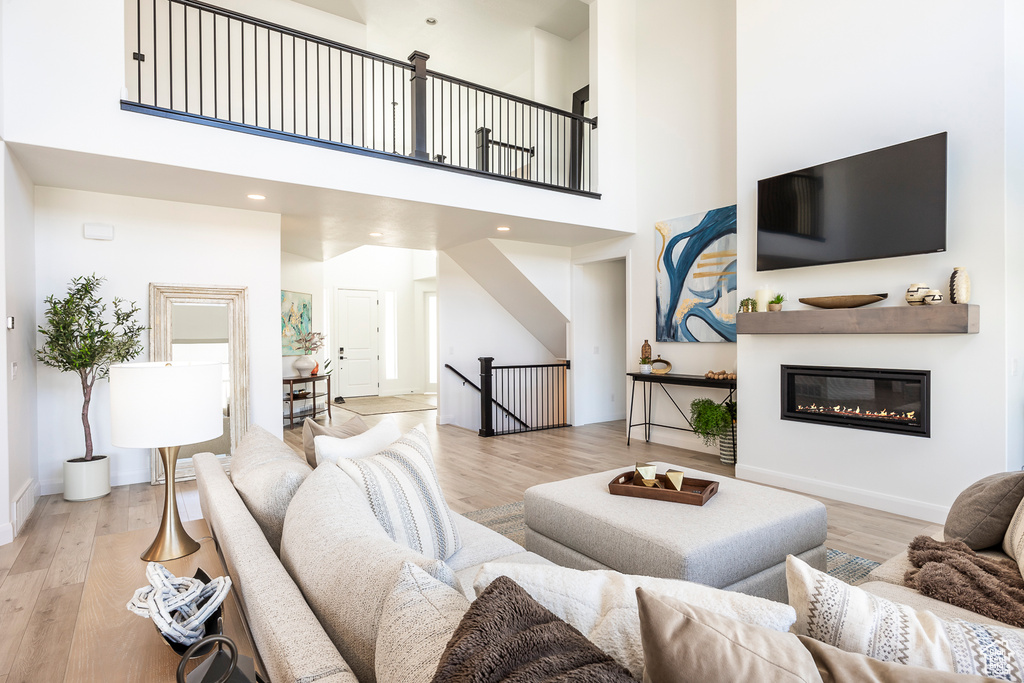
(86, 479)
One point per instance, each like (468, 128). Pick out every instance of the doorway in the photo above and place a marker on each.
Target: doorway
(599, 341)
(357, 346)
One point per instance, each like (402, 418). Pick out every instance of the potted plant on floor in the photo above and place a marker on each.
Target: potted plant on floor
(79, 338)
(715, 422)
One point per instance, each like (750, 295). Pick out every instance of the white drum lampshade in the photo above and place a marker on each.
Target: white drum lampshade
(155, 405)
(165, 406)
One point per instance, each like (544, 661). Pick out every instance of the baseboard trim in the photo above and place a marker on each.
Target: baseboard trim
(23, 505)
(848, 494)
(6, 534)
(50, 487)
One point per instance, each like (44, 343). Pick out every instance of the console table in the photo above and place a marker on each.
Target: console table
(647, 393)
(289, 385)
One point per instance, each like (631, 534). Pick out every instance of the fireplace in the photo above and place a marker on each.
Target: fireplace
(895, 401)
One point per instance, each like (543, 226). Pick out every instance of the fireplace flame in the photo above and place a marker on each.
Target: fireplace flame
(846, 411)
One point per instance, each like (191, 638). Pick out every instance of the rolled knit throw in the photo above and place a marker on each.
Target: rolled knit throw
(173, 603)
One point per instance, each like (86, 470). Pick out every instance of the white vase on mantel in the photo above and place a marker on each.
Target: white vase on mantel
(304, 365)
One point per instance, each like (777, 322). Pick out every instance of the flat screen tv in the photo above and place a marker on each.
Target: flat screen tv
(880, 204)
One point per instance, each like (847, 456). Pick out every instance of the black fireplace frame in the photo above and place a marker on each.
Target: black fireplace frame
(923, 428)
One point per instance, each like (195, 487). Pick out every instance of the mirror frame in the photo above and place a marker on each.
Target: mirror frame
(161, 298)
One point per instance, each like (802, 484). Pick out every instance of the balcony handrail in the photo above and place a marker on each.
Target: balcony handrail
(509, 96)
(295, 33)
(334, 95)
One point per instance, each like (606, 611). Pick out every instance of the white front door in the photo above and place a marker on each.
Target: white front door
(357, 355)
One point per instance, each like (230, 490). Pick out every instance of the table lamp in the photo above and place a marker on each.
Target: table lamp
(166, 405)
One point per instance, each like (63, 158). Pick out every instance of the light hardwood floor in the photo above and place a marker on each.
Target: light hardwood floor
(43, 571)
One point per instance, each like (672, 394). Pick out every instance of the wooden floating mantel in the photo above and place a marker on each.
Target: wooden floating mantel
(941, 319)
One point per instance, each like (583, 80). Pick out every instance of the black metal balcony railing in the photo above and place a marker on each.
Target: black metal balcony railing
(523, 398)
(197, 62)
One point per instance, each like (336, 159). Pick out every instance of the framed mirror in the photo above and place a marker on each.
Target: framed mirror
(205, 323)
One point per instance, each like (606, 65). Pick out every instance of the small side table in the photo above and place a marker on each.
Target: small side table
(289, 384)
(112, 645)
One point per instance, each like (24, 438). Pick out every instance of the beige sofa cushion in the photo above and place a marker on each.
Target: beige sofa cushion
(345, 564)
(292, 643)
(857, 621)
(416, 622)
(267, 473)
(312, 429)
(682, 642)
(981, 513)
(258, 447)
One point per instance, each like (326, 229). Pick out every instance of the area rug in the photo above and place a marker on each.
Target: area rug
(379, 405)
(508, 521)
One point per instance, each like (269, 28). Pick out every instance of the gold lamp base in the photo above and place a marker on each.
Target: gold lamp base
(172, 541)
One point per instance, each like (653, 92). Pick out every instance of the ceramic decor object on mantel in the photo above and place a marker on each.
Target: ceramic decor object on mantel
(933, 297)
(959, 286)
(916, 292)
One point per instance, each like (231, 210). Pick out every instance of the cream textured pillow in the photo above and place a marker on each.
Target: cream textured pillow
(854, 620)
(1013, 541)
(312, 429)
(418, 619)
(401, 486)
(602, 604)
(373, 440)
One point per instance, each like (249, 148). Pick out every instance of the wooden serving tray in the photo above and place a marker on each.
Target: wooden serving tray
(695, 491)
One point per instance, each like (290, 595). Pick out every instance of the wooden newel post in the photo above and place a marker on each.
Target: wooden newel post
(486, 414)
(419, 104)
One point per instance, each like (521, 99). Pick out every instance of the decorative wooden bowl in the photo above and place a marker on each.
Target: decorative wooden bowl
(695, 491)
(848, 301)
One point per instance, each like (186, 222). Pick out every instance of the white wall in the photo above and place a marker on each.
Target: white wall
(301, 274)
(386, 269)
(547, 267)
(560, 67)
(599, 320)
(820, 81)
(685, 146)
(1014, 18)
(6, 528)
(155, 241)
(471, 324)
(19, 273)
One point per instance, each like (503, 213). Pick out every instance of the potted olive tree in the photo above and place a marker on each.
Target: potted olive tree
(79, 337)
(715, 422)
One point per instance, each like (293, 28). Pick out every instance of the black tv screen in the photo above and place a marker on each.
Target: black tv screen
(880, 204)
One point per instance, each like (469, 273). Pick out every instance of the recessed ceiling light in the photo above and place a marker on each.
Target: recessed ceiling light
(255, 196)
(376, 234)
(431, 21)
(504, 228)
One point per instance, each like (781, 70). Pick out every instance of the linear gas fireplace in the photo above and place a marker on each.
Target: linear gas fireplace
(861, 398)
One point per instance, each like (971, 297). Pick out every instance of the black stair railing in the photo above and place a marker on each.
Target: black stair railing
(537, 394)
(466, 380)
(197, 62)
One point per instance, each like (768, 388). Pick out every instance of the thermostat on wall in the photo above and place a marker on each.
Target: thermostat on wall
(98, 231)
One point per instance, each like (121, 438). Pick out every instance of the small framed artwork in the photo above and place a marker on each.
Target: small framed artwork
(296, 320)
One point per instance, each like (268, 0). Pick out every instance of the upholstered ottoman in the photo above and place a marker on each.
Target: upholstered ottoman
(738, 540)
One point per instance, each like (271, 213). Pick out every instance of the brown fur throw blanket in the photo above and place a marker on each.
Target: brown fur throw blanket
(952, 572)
(508, 636)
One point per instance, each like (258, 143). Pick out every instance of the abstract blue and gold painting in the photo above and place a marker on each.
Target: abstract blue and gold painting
(695, 271)
(296, 320)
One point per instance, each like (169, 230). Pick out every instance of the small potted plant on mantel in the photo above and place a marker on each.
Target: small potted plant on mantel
(775, 303)
(78, 338)
(715, 422)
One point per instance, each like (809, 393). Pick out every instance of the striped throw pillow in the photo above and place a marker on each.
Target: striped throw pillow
(401, 486)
